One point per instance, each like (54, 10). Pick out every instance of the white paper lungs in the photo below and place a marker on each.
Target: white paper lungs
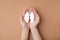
(29, 15)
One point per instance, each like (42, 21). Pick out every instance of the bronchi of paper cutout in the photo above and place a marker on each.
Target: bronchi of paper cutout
(29, 15)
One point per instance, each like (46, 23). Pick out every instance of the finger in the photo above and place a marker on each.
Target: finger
(30, 9)
(34, 11)
(24, 11)
(22, 20)
(36, 15)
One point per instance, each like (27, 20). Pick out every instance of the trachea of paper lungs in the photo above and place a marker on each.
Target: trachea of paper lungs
(29, 16)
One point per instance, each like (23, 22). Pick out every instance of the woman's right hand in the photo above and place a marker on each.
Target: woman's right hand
(36, 18)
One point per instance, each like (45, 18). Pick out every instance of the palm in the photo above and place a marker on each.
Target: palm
(23, 23)
(36, 18)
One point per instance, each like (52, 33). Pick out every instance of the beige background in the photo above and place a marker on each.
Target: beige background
(10, 10)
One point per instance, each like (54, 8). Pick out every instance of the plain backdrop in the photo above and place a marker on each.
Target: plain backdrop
(48, 10)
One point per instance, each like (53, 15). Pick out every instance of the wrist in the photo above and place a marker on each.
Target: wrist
(33, 27)
(25, 28)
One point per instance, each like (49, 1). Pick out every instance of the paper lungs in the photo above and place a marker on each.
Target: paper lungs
(29, 16)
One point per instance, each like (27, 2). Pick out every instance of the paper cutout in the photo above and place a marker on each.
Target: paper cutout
(29, 15)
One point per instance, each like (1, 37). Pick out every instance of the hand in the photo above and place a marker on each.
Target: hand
(22, 21)
(25, 27)
(36, 18)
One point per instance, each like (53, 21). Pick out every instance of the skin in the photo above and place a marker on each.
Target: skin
(31, 26)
